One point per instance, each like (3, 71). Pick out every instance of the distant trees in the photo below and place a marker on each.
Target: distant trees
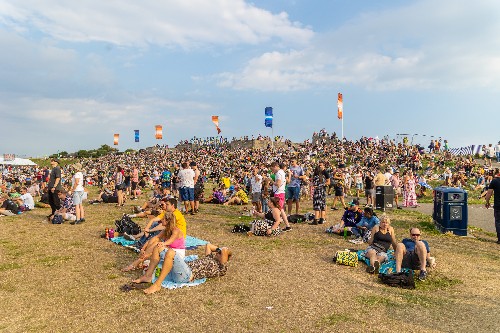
(101, 151)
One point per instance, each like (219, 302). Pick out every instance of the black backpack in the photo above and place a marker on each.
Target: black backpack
(240, 228)
(296, 218)
(126, 225)
(403, 280)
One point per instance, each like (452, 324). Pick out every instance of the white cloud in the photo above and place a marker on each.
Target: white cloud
(425, 45)
(167, 23)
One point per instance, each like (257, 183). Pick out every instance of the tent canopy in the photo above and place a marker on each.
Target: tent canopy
(17, 161)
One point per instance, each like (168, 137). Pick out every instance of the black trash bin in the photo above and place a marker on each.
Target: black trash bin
(384, 197)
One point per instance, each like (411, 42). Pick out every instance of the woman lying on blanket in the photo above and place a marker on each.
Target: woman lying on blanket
(270, 223)
(171, 237)
(382, 238)
(175, 269)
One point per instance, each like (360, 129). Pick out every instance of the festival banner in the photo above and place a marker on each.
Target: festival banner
(268, 121)
(158, 132)
(136, 135)
(215, 120)
(340, 106)
(9, 157)
(115, 142)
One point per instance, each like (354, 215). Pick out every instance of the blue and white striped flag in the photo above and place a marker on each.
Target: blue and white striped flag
(268, 121)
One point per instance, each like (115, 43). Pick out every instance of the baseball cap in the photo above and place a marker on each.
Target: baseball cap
(354, 202)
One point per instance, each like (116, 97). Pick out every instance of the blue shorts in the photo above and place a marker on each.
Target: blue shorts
(187, 193)
(293, 193)
(180, 272)
(165, 184)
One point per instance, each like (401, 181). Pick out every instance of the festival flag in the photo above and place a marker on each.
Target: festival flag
(268, 121)
(158, 132)
(340, 106)
(215, 120)
(136, 135)
(115, 142)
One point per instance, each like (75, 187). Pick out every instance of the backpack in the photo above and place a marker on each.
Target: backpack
(296, 218)
(57, 219)
(126, 225)
(11, 205)
(240, 228)
(403, 280)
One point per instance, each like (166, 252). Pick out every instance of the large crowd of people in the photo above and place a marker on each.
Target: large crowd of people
(273, 180)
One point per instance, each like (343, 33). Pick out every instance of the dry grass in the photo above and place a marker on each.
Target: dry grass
(64, 278)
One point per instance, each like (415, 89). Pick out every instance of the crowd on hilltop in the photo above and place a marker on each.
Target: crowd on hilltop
(357, 159)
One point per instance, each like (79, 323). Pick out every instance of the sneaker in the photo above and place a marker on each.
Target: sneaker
(83, 220)
(73, 222)
(376, 266)
(79, 221)
(128, 237)
(399, 207)
(287, 229)
(370, 269)
(334, 208)
(321, 221)
(422, 276)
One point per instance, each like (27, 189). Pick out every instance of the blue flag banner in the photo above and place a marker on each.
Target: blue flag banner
(268, 122)
(136, 135)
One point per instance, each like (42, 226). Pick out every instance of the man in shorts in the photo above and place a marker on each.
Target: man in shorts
(413, 253)
(295, 175)
(186, 190)
(494, 189)
(256, 187)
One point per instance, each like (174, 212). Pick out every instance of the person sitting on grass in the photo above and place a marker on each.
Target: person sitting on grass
(217, 197)
(152, 205)
(174, 267)
(239, 197)
(269, 224)
(25, 201)
(414, 253)
(8, 206)
(383, 236)
(67, 210)
(170, 236)
(365, 225)
(352, 215)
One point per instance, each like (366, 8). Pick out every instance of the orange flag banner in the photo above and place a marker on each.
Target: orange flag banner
(340, 106)
(215, 120)
(158, 132)
(115, 141)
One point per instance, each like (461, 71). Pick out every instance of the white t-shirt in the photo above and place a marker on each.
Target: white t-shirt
(28, 200)
(280, 175)
(186, 177)
(256, 183)
(78, 180)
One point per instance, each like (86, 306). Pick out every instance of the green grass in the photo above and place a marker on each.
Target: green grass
(50, 261)
(9, 266)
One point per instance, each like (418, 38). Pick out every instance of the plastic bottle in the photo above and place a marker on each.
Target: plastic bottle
(107, 233)
(345, 232)
(111, 233)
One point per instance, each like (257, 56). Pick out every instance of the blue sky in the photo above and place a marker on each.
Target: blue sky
(74, 73)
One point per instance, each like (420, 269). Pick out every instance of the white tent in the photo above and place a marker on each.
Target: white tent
(17, 161)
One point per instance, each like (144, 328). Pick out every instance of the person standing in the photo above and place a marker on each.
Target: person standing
(296, 174)
(369, 188)
(135, 182)
(494, 189)
(338, 186)
(186, 189)
(396, 185)
(78, 191)
(497, 151)
(279, 185)
(320, 181)
(256, 188)
(54, 185)
(119, 185)
(199, 186)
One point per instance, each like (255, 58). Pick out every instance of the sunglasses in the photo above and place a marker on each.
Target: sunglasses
(416, 235)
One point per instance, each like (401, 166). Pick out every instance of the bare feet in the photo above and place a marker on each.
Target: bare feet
(154, 288)
(143, 279)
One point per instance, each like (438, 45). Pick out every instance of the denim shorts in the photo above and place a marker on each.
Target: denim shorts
(180, 272)
(78, 197)
(380, 254)
(187, 193)
(293, 193)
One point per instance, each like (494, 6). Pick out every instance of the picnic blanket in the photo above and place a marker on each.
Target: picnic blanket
(173, 285)
(191, 243)
(387, 267)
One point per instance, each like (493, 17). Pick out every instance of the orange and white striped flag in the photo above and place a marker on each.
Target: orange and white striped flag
(115, 141)
(340, 106)
(215, 120)
(158, 132)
